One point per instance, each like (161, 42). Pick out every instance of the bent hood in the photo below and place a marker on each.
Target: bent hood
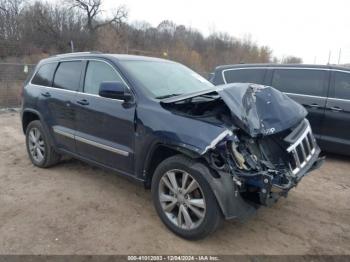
(261, 110)
(257, 109)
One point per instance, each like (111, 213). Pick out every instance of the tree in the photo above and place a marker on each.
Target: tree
(93, 9)
(292, 60)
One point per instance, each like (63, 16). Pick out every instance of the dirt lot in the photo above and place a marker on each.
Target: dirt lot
(76, 208)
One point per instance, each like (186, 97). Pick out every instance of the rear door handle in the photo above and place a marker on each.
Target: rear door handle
(335, 108)
(83, 102)
(46, 94)
(313, 105)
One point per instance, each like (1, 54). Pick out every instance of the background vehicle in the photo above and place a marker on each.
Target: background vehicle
(323, 90)
(204, 153)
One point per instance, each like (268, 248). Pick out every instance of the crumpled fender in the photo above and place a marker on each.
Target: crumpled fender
(232, 204)
(171, 129)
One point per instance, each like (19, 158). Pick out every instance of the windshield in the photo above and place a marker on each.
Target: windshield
(166, 79)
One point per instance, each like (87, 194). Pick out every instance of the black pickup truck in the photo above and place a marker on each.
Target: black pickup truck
(323, 90)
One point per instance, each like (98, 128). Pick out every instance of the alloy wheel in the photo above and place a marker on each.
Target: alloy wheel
(182, 199)
(36, 145)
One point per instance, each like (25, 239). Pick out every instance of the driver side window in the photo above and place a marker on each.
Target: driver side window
(96, 73)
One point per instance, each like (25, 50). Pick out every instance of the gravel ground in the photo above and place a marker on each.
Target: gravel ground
(74, 208)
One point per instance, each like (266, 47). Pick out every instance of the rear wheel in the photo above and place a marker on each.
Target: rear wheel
(183, 199)
(40, 152)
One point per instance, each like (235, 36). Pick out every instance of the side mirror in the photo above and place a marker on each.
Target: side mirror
(115, 90)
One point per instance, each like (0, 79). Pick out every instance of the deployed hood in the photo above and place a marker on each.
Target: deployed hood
(261, 110)
(256, 109)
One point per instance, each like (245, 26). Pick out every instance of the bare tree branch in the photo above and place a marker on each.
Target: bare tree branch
(92, 10)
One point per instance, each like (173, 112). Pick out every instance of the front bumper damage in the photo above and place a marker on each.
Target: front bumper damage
(232, 202)
(276, 191)
(240, 194)
(257, 143)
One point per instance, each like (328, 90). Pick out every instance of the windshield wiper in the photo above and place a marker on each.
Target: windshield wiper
(167, 96)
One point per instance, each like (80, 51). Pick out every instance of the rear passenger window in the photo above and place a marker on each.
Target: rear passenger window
(245, 76)
(44, 75)
(342, 85)
(96, 73)
(300, 81)
(68, 75)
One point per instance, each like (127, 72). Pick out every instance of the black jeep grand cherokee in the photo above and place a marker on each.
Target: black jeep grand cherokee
(206, 152)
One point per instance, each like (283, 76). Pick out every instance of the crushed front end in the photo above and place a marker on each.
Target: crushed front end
(263, 145)
(266, 168)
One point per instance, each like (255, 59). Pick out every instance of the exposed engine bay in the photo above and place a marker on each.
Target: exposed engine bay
(268, 146)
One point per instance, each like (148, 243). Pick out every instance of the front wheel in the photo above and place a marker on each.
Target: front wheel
(183, 199)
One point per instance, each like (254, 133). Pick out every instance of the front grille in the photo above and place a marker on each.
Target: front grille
(302, 149)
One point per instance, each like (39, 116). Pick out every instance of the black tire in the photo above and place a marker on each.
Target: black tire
(212, 218)
(50, 156)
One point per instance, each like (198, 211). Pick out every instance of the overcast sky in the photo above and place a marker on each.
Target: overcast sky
(304, 28)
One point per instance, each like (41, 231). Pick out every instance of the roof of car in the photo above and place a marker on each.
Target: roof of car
(223, 67)
(95, 54)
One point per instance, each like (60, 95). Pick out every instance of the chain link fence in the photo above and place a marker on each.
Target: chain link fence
(12, 77)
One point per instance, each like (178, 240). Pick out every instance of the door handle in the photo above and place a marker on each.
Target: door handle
(46, 94)
(335, 108)
(314, 105)
(83, 102)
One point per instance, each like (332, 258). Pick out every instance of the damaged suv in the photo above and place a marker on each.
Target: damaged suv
(206, 152)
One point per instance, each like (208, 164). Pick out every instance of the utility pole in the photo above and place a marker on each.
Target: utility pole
(71, 46)
(329, 57)
(339, 56)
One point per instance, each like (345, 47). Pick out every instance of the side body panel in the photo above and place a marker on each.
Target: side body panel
(335, 133)
(105, 131)
(315, 105)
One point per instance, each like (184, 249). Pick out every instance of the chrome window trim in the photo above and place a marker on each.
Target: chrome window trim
(90, 142)
(305, 68)
(82, 59)
(339, 99)
(65, 90)
(294, 94)
(277, 67)
(77, 92)
(99, 60)
(324, 97)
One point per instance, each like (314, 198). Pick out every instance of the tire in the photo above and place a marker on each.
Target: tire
(37, 140)
(205, 218)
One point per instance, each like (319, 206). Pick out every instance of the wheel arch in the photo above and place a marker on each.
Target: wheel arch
(160, 152)
(225, 190)
(29, 115)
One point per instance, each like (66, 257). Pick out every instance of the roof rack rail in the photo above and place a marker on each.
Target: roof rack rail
(78, 53)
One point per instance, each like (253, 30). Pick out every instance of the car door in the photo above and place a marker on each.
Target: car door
(55, 103)
(104, 126)
(336, 126)
(309, 87)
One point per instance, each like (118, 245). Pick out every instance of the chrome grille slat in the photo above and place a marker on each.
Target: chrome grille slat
(303, 149)
(308, 144)
(306, 138)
